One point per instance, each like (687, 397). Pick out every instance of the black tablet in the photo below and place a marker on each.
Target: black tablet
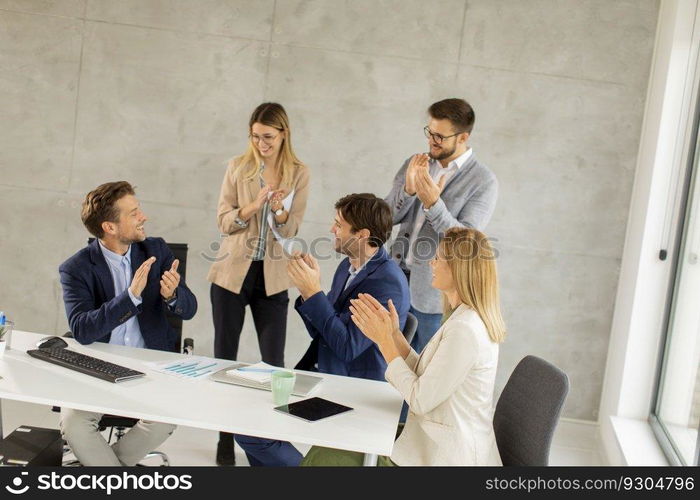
(313, 409)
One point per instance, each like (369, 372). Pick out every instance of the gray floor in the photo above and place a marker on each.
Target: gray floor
(574, 443)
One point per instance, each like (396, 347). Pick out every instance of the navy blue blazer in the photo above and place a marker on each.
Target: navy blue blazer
(93, 310)
(338, 346)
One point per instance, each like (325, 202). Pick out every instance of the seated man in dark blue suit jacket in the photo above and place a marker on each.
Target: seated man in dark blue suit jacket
(117, 290)
(362, 225)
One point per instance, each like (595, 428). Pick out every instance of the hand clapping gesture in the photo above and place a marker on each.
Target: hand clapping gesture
(276, 198)
(426, 189)
(418, 161)
(169, 282)
(374, 320)
(305, 273)
(262, 197)
(138, 282)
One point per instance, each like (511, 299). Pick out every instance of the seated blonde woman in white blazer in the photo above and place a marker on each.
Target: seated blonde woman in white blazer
(449, 386)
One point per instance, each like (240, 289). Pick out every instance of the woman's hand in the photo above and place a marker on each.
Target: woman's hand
(367, 298)
(380, 326)
(276, 199)
(256, 205)
(262, 197)
(373, 319)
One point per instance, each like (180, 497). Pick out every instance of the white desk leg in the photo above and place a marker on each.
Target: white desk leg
(370, 460)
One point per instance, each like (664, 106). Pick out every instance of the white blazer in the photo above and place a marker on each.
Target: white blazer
(449, 391)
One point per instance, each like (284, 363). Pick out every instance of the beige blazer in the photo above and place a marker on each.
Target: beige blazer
(449, 391)
(234, 256)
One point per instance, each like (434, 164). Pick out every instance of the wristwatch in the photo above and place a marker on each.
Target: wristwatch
(279, 212)
(171, 299)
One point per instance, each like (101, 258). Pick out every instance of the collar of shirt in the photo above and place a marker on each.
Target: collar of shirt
(114, 258)
(455, 164)
(353, 272)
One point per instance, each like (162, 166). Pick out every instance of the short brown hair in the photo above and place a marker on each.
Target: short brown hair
(458, 111)
(366, 211)
(100, 205)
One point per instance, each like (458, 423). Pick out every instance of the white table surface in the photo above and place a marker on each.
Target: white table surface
(370, 428)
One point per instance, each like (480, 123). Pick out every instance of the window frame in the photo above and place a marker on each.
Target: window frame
(691, 176)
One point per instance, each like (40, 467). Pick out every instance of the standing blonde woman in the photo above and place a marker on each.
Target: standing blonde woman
(262, 201)
(449, 386)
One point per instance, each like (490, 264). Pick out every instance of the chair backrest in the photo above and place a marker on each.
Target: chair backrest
(528, 410)
(409, 329)
(179, 251)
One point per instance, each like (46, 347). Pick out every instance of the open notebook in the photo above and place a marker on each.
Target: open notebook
(259, 373)
(303, 385)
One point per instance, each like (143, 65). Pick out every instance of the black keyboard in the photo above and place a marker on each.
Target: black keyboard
(86, 364)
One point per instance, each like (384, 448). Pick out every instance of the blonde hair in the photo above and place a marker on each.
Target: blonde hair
(472, 262)
(272, 115)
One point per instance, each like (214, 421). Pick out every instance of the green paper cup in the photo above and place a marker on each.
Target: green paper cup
(282, 386)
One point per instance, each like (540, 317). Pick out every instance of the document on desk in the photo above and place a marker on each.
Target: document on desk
(188, 366)
(260, 373)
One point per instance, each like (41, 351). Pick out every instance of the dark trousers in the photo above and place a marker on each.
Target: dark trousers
(269, 316)
(263, 452)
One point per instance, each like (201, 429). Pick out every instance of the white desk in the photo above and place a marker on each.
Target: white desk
(205, 404)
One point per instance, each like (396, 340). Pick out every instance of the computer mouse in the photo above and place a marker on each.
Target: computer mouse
(51, 342)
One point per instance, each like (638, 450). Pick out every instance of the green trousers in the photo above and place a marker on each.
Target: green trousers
(319, 456)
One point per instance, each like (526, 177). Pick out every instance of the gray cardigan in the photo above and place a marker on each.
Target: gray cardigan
(467, 200)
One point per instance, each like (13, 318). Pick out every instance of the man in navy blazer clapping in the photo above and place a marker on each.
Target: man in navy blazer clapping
(361, 227)
(117, 290)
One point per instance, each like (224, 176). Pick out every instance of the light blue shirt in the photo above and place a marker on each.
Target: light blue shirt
(129, 332)
(352, 273)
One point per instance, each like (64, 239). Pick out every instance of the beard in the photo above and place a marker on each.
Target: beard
(134, 237)
(345, 247)
(129, 241)
(444, 153)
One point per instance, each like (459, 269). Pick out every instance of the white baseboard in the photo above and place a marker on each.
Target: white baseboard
(577, 434)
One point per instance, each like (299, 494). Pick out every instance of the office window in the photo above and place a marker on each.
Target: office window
(676, 412)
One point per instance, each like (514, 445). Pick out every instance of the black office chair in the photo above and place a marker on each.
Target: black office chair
(180, 252)
(409, 329)
(528, 411)
(118, 425)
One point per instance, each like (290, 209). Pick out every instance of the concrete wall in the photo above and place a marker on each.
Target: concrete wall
(158, 92)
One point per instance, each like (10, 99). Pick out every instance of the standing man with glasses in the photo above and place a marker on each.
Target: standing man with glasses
(433, 192)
